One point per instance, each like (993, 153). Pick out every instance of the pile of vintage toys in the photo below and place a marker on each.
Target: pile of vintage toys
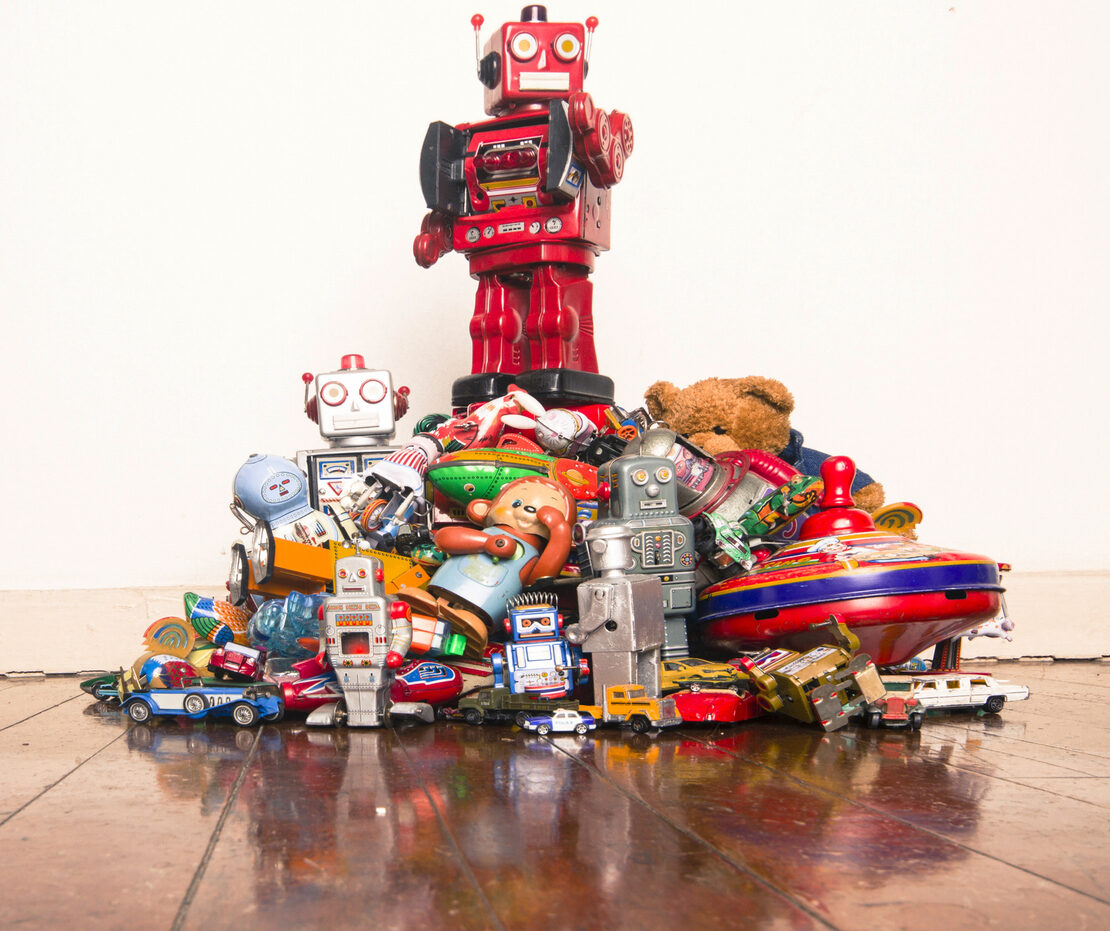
(542, 556)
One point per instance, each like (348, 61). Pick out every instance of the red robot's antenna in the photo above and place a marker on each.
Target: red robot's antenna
(591, 25)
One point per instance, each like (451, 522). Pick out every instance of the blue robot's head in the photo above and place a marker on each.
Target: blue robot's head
(533, 622)
(272, 489)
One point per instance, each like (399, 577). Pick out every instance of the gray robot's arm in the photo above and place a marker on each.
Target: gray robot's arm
(600, 612)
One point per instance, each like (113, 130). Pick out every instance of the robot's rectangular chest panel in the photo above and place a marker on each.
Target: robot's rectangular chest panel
(357, 619)
(331, 471)
(658, 549)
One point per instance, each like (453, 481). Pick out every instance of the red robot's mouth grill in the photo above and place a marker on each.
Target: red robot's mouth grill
(545, 81)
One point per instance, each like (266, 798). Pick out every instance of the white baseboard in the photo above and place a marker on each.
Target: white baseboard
(1062, 615)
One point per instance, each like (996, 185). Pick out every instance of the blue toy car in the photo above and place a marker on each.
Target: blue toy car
(562, 721)
(246, 705)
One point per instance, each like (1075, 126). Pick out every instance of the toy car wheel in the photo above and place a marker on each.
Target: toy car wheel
(276, 716)
(243, 714)
(769, 701)
(238, 576)
(194, 704)
(473, 716)
(580, 728)
(995, 704)
(874, 718)
(521, 719)
(373, 513)
(640, 724)
(915, 720)
(139, 711)
(543, 729)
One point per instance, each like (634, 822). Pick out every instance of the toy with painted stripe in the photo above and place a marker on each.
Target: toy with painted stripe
(897, 595)
(481, 473)
(216, 621)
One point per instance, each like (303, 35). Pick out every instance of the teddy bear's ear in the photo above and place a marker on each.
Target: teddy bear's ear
(660, 399)
(768, 390)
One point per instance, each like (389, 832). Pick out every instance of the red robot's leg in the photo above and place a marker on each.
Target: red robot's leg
(497, 327)
(560, 324)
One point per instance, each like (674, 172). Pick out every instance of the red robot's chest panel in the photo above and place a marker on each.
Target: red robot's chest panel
(512, 202)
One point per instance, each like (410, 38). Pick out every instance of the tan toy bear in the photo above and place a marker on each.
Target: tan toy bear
(726, 414)
(526, 536)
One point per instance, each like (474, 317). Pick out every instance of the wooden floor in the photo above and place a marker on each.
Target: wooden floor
(977, 821)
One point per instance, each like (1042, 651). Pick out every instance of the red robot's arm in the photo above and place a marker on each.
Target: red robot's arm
(602, 140)
(434, 239)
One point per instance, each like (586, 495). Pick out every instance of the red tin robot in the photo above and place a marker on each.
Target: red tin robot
(525, 197)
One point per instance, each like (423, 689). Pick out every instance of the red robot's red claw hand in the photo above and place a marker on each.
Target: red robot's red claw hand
(602, 140)
(434, 239)
(393, 659)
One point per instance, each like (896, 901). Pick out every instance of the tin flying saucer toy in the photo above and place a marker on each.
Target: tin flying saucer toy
(897, 595)
(463, 476)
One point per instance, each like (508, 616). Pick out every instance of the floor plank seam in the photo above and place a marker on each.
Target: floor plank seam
(59, 780)
(1034, 743)
(687, 832)
(64, 701)
(465, 865)
(916, 827)
(217, 831)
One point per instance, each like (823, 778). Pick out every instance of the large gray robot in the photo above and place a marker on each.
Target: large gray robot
(643, 496)
(620, 616)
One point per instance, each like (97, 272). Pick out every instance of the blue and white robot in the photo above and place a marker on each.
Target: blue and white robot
(271, 492)
(537, 660)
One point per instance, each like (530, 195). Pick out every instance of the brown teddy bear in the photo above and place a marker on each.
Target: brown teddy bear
(726, 414)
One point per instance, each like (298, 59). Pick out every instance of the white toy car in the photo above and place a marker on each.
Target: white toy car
(953, 690)
(564, 720)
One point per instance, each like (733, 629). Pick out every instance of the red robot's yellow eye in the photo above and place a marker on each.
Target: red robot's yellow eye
(333, 393)
(523, 46)
(372, 391)
(566, 47)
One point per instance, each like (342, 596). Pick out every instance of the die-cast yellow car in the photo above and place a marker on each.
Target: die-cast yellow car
(682, 673)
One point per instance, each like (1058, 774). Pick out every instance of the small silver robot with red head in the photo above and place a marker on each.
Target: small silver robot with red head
(366, 636)
(525, 197)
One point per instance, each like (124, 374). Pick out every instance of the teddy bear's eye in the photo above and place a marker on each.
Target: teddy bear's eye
(720, 431)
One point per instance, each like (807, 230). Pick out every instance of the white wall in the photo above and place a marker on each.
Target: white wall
(900, 210)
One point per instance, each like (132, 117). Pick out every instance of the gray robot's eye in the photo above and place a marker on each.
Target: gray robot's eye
(663, 475)
(333, 393)
(640, 476)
